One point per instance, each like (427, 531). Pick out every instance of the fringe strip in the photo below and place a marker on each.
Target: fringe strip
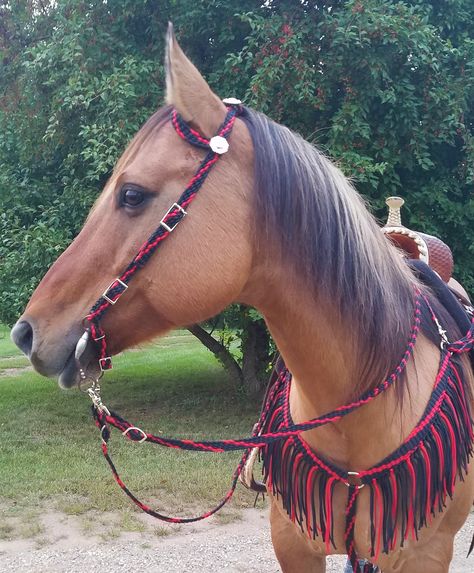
(407, 489)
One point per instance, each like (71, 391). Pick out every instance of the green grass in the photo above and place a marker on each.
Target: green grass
(50, 454)
(7, 348)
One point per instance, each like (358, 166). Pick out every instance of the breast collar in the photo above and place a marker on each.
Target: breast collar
(407, 489)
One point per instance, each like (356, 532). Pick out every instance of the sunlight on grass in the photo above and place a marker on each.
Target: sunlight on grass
(50, 447)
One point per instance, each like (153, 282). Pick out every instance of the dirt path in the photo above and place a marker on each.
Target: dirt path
(238, 547)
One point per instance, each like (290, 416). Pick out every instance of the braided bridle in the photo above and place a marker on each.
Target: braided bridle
(216, 146)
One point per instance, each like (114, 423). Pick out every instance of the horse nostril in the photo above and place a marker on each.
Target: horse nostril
(22, 336)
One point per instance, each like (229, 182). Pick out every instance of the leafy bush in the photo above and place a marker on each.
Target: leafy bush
(383, 87)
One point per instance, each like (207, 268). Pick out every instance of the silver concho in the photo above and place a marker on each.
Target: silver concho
(219, 144)
(231, 101)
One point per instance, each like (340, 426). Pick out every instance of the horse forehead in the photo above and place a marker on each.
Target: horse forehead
(160, 157)
(163, 150)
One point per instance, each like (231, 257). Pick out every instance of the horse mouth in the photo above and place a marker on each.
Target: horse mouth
(70, 375)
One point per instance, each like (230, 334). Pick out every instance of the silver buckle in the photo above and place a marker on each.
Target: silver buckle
(444, 341)
(103, 361)
(110, 300)
(165, 225)
(125, 432)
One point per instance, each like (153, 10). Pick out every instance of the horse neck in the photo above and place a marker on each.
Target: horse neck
(323, 355)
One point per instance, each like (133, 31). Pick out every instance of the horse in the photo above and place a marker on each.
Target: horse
(279, 228)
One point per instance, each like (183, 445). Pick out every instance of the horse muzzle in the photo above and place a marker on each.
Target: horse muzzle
(52, 358)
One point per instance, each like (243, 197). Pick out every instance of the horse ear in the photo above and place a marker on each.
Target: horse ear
(187, 91)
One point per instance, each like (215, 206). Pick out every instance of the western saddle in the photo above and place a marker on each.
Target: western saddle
(415, 245)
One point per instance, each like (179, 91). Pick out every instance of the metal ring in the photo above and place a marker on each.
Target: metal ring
(356, 486)
(357, 475)
(125, 432)
(88, 379)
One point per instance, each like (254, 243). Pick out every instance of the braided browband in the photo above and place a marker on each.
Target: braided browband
(216, 146)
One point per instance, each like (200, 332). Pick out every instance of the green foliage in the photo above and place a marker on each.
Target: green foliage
(242, 330)
(71, 98)
(384, 87)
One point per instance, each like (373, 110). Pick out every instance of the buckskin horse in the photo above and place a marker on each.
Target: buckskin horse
(278, 227)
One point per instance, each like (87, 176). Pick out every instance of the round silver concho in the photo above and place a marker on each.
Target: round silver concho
(219, 144)
(232, 101)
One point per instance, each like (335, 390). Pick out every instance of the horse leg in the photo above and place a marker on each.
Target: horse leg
(292, 547)
(435, 556)
(434, 553)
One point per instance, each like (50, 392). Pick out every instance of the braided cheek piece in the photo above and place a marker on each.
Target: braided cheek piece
(170, 220)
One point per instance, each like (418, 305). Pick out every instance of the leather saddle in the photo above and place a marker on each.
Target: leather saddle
(421, 246)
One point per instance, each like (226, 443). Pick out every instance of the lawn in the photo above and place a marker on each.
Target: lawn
(50, 454)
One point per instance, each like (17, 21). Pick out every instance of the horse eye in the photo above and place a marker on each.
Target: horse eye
(132, 197)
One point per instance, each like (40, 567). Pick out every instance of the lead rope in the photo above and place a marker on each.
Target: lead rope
(102, 416)
(104, 419)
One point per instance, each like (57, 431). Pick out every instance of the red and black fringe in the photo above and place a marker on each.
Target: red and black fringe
(407, 489)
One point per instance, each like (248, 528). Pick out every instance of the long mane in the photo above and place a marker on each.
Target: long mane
(324, 231)
(321, 225)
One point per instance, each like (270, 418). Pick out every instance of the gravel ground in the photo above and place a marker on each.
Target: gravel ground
(242, 546)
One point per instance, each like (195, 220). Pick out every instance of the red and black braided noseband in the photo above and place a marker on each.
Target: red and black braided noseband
(216, 146)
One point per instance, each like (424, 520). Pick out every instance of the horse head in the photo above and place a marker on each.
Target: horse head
(198, 271)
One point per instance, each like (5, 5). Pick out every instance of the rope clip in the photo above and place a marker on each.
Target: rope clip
(94, 395)
(444, 342)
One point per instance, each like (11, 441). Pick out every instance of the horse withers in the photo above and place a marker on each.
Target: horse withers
(278, 227)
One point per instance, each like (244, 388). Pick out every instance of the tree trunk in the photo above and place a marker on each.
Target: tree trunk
(220, 352)
(254, 357)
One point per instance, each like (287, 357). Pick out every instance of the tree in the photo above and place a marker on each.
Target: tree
(383, 87)
(386, 89)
